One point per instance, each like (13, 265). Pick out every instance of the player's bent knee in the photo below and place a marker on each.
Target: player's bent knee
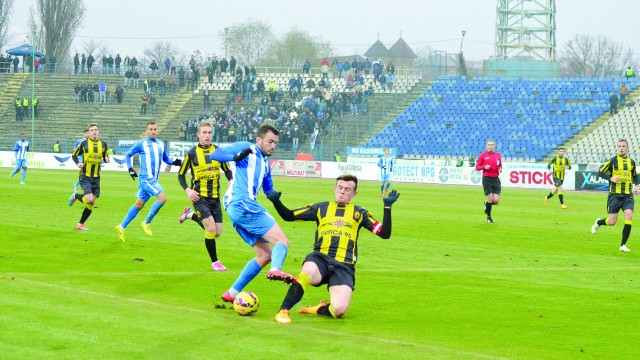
(338, 311)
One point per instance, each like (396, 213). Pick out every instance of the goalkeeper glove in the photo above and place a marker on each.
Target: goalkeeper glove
(133, 174)
(274, 195)
(391, 198)
(177, 162)
(241, 155)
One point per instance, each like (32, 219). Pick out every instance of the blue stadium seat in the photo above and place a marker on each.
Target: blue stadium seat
(519, 113)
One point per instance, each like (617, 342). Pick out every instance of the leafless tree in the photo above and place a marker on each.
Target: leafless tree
(95, 48)
(248, 42)
(595, 56)
(57, 24)
(294, 47)
(161, 50)
(6, 8)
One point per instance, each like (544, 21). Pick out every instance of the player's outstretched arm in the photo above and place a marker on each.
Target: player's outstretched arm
(388, 201)
(283, 211)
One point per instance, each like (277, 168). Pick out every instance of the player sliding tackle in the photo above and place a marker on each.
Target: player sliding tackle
(335, 249)
(252, 221)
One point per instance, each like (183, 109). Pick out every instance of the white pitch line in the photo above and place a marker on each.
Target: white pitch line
(208, 312)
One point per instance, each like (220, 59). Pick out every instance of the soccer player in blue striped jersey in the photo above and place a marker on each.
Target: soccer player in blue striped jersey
(20, 149)
(385, 163)
(252, 221)
(153, 153)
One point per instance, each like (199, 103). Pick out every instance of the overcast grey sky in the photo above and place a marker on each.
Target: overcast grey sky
(127, 27)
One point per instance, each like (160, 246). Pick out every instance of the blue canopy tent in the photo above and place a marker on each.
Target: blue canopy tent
(24, 50)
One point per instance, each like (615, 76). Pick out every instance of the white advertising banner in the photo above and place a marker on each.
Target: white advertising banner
(332, 170)
(514, 175)
(57, 161)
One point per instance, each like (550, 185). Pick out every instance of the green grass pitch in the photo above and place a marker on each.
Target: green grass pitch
(534, 285)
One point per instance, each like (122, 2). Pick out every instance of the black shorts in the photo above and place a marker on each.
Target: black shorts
(491, 185)
(616, 202)
(557, 182)
(206, 207)
(90, 185)
(332, 271)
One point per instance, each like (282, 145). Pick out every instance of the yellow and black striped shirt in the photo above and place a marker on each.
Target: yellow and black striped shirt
(338, 228)
(93, 153)
(560, 164)
(205, 173)
(623, 167)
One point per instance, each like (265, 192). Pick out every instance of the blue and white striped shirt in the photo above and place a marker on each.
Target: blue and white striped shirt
(249, 175)
(78, 143)
(386, 165)
(152, 153)
(20, 149)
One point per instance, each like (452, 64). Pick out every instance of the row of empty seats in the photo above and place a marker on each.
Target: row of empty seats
(455, 116)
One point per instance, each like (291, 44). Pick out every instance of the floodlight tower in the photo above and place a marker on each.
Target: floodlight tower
(526, 27)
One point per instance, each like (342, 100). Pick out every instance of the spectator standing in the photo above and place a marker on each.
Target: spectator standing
(110, 62)
(102, 87)
(152, 102)
(76, 63)
(613, 102)
(629, 73)
(90, 61)
(136, 79)
(117, 61)
(306, 67)
(143, 105)
(154, 67)
(624, 91)
(232, 66)
(119, 94)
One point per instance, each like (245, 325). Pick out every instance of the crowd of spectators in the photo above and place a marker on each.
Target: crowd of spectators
(98, 92)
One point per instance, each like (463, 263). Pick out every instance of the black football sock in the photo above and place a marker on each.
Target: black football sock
(85, 215)
(626, 231)
(211, 249)
(602, 222)
(294, 295)
(325, 311)
(561, 197)
(489, 206)
(550, 195)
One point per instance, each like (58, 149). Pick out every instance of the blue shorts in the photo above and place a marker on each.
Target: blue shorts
(21, 163)
(385, 178)
(250, 220)
(148, 188)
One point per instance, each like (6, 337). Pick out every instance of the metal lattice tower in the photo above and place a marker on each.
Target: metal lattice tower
(526, 27)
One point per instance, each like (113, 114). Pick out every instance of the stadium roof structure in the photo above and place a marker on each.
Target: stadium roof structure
(377, 50)
(400, 50)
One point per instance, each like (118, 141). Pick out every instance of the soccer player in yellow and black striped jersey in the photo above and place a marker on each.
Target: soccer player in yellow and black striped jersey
(204, 190)
(93, 152)
(335, 250)
(560, 163)
(622, 175)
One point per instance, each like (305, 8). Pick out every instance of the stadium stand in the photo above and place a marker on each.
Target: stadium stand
(527, 118)
(62, 119)
(600, 144)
